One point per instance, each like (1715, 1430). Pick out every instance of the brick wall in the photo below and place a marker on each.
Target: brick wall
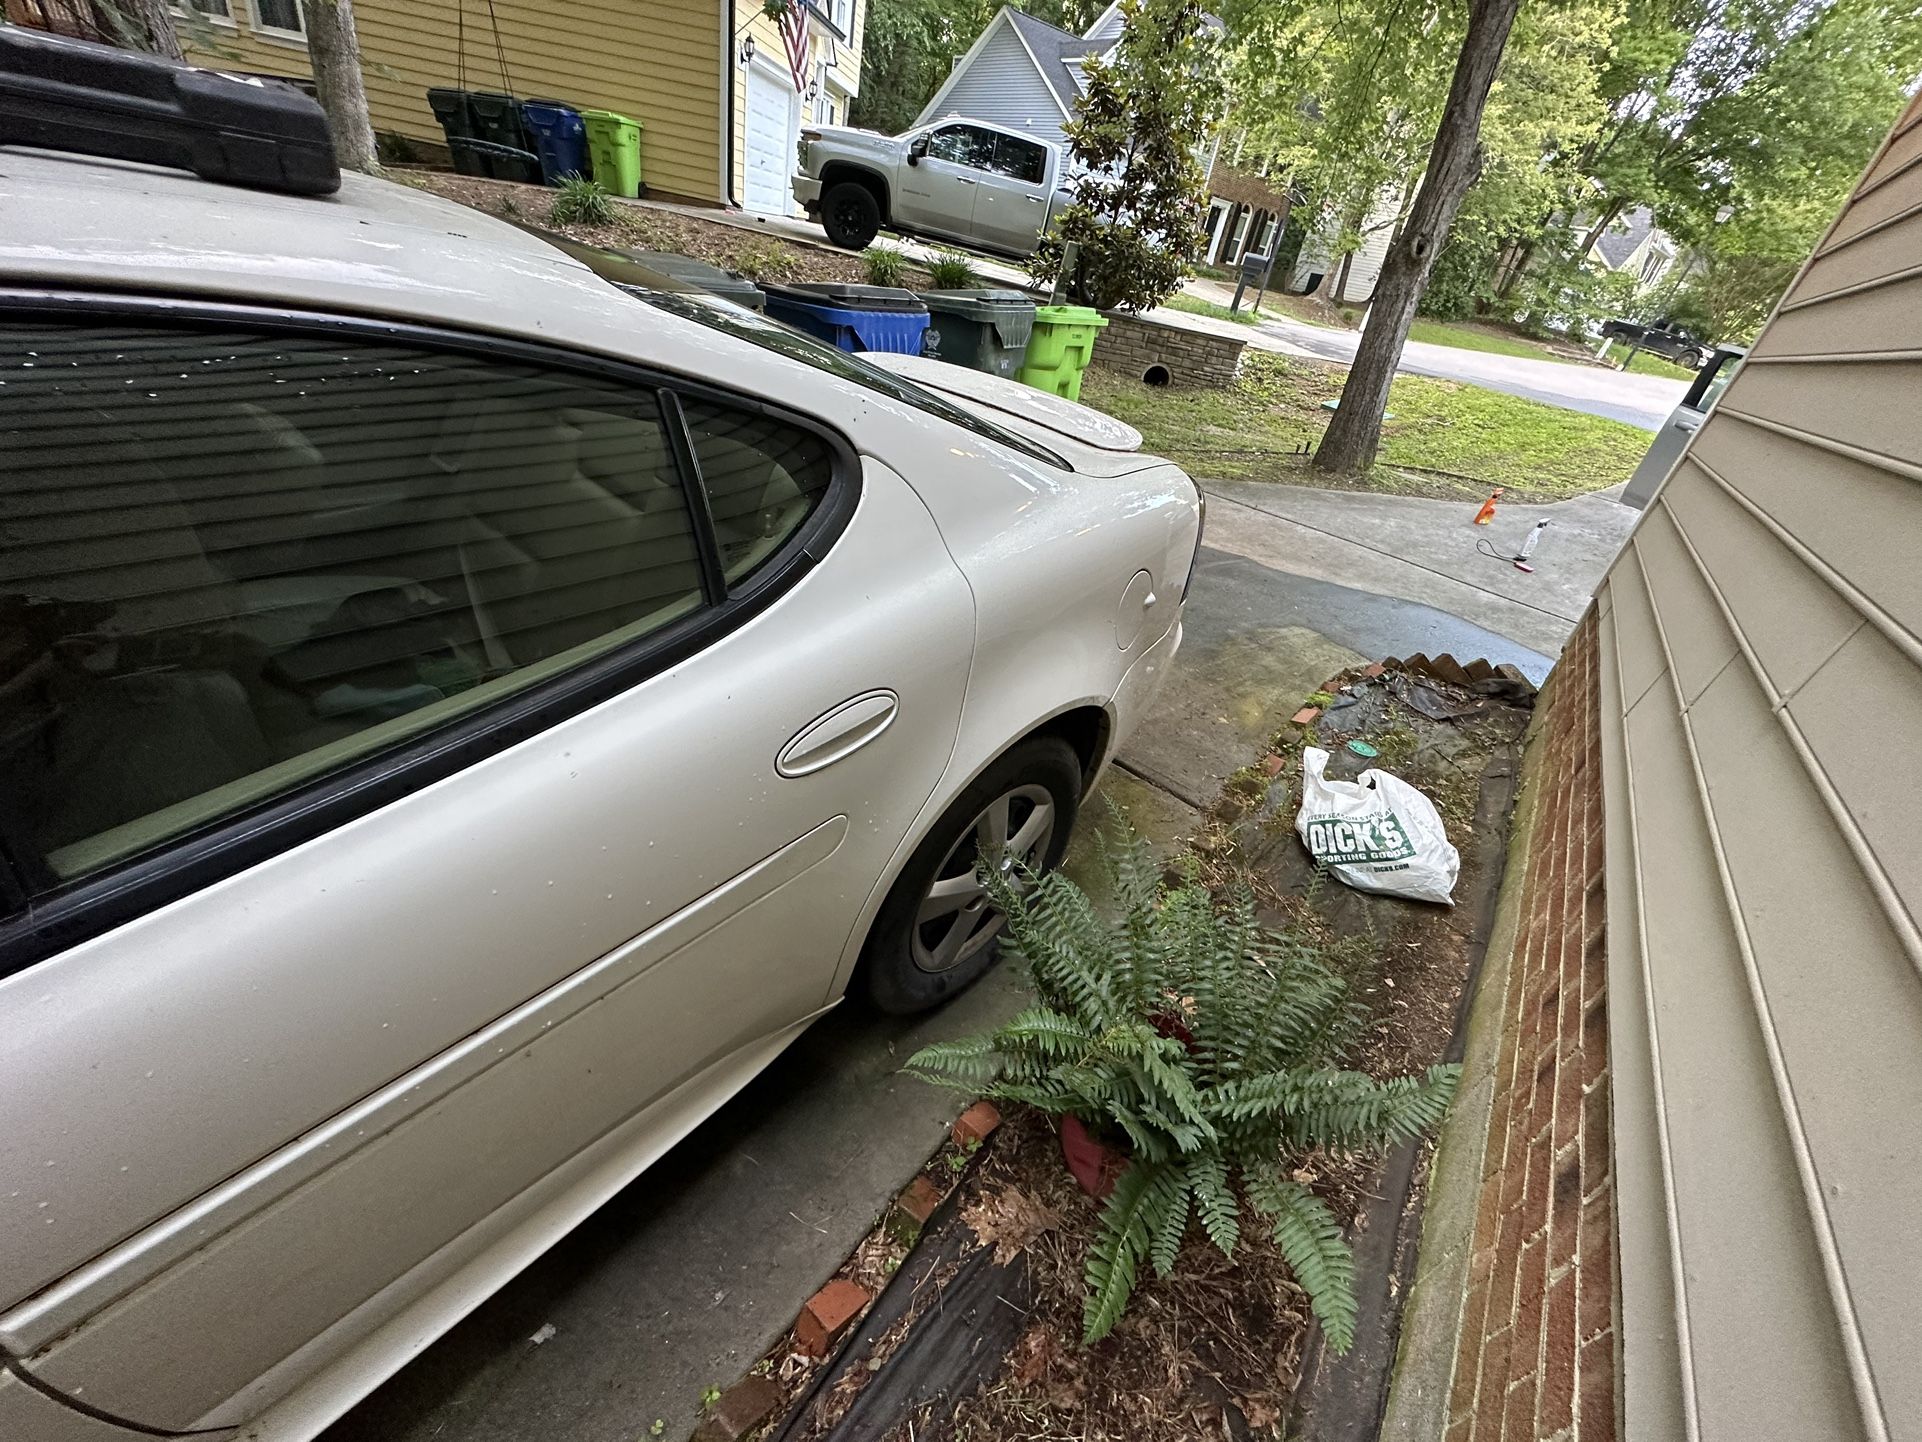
(1132, 345)
(1535, 1357)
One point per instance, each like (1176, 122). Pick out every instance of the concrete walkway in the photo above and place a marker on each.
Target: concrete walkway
(685, 1278)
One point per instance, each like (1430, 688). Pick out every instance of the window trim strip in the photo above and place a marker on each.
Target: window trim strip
(699, 507)
(77, 911)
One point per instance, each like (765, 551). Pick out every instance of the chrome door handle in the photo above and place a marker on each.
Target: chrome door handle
(839, 734)
(964, 180)
(1034, 200)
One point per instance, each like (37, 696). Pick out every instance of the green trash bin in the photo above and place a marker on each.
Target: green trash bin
(614, 142)
(1059, 348)
(985, 330)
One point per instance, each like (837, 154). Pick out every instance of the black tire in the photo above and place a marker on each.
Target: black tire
(897, 981)
(850, 215)
(1691, 360)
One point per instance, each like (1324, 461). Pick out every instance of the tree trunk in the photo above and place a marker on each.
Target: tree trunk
(156, 20)
(333, 46)
(1354, 433)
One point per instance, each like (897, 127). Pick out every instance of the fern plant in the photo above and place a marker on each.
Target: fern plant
(581, 202)
(951, 270)
(1211, 1043)
(884, 267)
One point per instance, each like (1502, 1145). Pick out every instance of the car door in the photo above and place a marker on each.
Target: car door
(1011, 202)
(939, 189)
(1682, 424)
(428, 763)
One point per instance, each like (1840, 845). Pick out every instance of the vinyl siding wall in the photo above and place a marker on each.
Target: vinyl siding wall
(659, 63)
(1003, 85)
(1762, 757)
(846, 72)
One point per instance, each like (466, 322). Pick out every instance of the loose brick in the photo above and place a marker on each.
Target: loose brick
(742, 1408)
(827, 1315)
(1271, 763)
(918, 1201)
(1306, 716)
(975, 1125)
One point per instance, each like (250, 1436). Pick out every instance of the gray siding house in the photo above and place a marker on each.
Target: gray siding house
(1022, 72)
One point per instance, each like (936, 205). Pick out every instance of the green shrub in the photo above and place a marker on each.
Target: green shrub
(885, 267)
(1210, 1043)
(951, 270)
(581, 202)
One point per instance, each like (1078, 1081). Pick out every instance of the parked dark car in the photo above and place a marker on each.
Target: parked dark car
(1671, 343)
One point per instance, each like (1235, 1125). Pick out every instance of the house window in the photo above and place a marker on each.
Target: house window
(281, 16)
(841, 12)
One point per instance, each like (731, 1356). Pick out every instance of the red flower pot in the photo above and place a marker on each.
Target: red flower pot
(1092, 1162)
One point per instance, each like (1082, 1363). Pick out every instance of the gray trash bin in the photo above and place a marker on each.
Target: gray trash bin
(985, 330)
(699, 275)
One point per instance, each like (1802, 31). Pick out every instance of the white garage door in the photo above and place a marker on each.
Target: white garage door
(770, 145)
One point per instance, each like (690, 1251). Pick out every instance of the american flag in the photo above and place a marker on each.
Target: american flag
(794, 31)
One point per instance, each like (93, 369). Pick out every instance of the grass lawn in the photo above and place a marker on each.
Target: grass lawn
(1455, 440)
(1467, 336)
(1194, 305)
(1645, 364)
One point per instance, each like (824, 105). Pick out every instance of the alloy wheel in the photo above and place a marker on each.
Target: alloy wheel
(957, 917)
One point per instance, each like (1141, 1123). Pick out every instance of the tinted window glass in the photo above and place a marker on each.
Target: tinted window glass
(763, 480)
(229, 562)
(784, 340)
(964, 145)
(1022, 159)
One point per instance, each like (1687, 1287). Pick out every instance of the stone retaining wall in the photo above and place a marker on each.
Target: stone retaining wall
(1176, 355)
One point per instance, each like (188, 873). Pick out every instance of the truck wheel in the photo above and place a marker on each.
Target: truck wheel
(1692, 360)
(850, 215)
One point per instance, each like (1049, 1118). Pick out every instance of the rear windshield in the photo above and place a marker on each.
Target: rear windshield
(784, 340)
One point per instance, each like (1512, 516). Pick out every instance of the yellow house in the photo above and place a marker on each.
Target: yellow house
(710, 80)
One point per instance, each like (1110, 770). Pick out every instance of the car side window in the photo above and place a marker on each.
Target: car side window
(763, 479)
(231, 562)
(967, 145)
(1021, 159)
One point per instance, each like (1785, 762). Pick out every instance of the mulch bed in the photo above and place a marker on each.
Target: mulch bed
(976, 1335)
(643, 227)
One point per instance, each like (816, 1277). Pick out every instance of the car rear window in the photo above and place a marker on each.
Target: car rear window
(783, 340)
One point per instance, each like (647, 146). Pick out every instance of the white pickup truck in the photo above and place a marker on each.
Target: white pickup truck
(982, 185)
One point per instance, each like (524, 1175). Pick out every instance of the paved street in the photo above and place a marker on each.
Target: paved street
(1640, 400)
(687, 1276)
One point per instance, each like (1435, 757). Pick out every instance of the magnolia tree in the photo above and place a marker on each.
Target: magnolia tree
(1138, 203)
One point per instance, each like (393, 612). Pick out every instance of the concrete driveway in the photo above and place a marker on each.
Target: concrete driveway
(686, 1277)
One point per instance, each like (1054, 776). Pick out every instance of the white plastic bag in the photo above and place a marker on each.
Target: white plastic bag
(1377, 833)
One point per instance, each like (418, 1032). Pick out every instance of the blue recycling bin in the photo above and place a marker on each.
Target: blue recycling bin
(853, 317)
(560, 138)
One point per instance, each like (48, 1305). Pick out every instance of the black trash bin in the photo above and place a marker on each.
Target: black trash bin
(485, 134)
(699, 275)
(985, 330)
(457, 123)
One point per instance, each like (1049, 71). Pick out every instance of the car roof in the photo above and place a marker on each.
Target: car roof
(375, 248)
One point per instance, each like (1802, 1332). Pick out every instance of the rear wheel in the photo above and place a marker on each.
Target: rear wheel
(939, 931)
(850, 215)
(1692, 360)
